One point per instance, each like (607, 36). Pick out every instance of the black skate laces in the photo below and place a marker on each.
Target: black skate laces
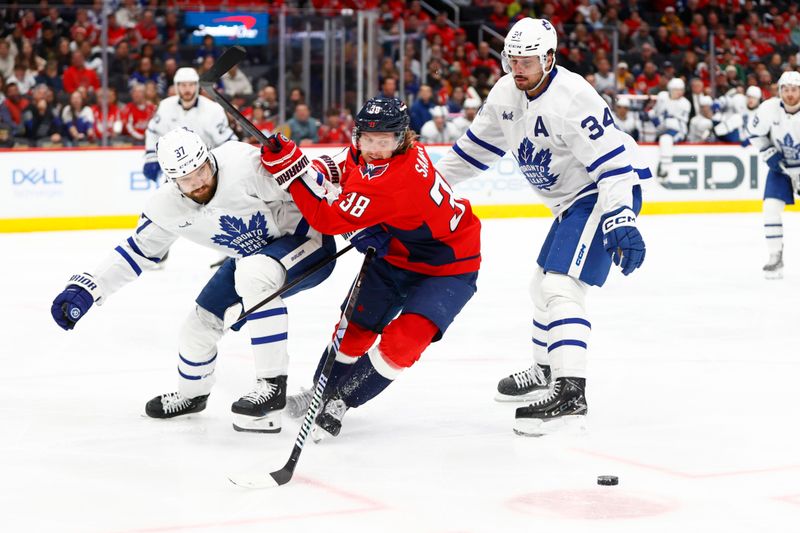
(263, 392)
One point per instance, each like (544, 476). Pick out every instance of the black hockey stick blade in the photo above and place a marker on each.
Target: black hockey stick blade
(229, 59)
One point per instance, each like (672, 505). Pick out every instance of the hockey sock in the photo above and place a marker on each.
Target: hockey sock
(568, 330)
(773, 224)
(539, 326)
(268, 329)
(368, 378)
(197, 352)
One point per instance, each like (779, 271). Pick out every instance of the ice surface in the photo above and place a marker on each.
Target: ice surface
(692, 393)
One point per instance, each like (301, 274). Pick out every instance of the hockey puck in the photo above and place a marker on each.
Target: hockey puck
(607, 480)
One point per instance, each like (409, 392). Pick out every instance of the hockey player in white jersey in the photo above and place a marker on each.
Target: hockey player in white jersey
(626, 120)
(187, 108)
(701, 127)
(753, 95)
(670, 116)
(226, 201)
(562, 134)
(729, 116)
(775, 132)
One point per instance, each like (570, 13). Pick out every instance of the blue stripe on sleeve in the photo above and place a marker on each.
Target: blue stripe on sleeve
(146, 223)
(538, 342)
(615, 172)
(187, 376)
(566, 321)
(540, 326)
(471, 160)
(483, 144)
(130, 260)
(136, 249)
(269, 339)
(644, 173)
(269, 312)
(603, 158)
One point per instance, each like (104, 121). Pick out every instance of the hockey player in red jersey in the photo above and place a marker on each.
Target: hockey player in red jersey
(428, 243)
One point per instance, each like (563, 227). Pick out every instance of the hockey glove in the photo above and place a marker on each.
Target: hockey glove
(374, 236)
(622, 239)
(284, 160)
(75, 300)
(151, 170)
(773, 158)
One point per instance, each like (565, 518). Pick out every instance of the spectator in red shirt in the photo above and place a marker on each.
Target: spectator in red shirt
(79, 76)
(116, 33)
(137, 113)
(114, 116)
(147, 29)
(680, 41)
(485, 60)
(15, 104)
(334, 131)
(649, 77)
(31, 28)
(499, 20)
(440, 27)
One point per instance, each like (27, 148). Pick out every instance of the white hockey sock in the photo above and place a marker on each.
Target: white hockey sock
(539, 323)
(665, 151)
(773, 224)
(569, 328)
(269, 333)
(197, 352)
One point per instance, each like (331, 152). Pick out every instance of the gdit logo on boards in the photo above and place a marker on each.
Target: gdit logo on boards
(36, 176)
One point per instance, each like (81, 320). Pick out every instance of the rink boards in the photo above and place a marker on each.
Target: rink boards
(44, 190)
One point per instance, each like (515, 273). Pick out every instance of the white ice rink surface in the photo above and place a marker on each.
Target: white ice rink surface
(693, 378)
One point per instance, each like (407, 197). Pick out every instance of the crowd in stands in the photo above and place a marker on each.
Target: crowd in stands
(51, 66)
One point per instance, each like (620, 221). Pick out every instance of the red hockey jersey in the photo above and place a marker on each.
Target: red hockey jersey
(434, 232)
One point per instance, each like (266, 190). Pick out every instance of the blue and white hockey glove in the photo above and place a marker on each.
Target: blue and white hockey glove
(622, 239)
(75, 300)
(773, 158)
(151, 170)
(374, 236)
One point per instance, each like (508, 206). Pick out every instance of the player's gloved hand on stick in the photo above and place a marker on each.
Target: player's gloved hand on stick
(151, 170)
(284, 160)
(374, 236)
(622, 239)
(75, 300)
(773, 158)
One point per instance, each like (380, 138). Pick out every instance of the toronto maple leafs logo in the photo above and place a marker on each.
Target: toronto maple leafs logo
(373, 171)
(246, 239)
(536, 165)
(790, 149)
(508, 116)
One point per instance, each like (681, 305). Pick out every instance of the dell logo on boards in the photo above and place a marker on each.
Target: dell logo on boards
(35, 176)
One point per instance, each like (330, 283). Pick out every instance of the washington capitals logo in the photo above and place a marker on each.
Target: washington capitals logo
(790, 149)
(246, 239)
(373, 171)
(536, 166)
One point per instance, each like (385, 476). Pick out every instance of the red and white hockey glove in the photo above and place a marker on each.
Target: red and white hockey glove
(284, 160)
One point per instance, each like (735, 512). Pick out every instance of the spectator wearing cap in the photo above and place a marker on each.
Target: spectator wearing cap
(439, 130)
(78, 75)
(420, 111)
(623, 76)
(334, 130)
(468, 113)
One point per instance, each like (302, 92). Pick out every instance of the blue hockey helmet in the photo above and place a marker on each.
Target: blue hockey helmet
(382, 114)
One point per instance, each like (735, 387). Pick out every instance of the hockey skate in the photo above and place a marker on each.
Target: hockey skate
(174, 404)
(565, 406)
(298, 404)
(259, 410)
(661, 174)
(524, 386)
(329, 421)
(774, 267)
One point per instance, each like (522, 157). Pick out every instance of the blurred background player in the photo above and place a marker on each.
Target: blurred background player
(729, 110)
(268, 244)
(775, 132)
(426, 270)
(468, 113)
(438, 130)
(562, 134)
(701, 127)
(626, 120)
(670, 116)
(753, 95)
(185, 108)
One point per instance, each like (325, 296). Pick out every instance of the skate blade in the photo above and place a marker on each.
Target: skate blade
(535, 427)
(270, 423)
(318, 434)
(530, 397)
(773, 275)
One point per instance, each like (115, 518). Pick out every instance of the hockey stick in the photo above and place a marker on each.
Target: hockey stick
(316, 268)
(262, 480)
(229, 59)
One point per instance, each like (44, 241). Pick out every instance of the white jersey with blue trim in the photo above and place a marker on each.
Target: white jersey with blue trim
(564, 140)
(206, 118)
(672, 115)
(248, 212)
(771, 125)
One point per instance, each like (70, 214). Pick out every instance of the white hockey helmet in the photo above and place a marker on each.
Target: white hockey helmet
(187, 75)
(623, 102)
(530, 37)
(788, 78)
(180, 152)
(676, 84)
(472, 103)
(705, 100)
(753, 92)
